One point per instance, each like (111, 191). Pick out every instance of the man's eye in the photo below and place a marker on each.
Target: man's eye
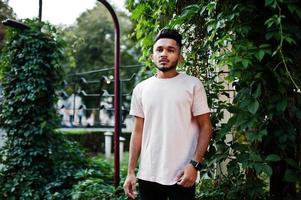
(159, 50)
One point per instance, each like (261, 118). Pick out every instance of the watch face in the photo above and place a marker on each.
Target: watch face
(196, 165)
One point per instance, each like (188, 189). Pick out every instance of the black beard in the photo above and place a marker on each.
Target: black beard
(166, 69)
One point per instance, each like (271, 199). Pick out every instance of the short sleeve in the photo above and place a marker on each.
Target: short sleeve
(199, 105)
(136, 103)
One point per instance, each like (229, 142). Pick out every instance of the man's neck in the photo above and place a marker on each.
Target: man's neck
(168, 74)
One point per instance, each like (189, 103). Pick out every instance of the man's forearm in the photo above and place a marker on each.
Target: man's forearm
(135, 148)
(204, 137)
(135, 144)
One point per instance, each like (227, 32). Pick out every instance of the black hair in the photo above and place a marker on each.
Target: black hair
(171, 34)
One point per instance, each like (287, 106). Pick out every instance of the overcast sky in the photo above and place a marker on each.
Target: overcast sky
(56, 11)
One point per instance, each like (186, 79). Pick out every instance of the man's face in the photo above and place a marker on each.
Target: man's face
(166, 54)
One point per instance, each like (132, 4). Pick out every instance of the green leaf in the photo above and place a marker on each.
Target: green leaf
(272, 34)
(274, 20)
(263, 46)
(272, 158)
(269, 2)
(253, 107)
(211, 6)
(263, 168)
(292, 163)
(263, 132)
(289, 39)
(239, 147)
(237, 59)
(257, 92)
(267, 170)
(191, 10)
(243, 158)
(246, 62)
(255, 157)
(294, 9)
(259, 54)
(291, 176)
(138, 11)
(210, 27)
(281, 105)
(256, 136)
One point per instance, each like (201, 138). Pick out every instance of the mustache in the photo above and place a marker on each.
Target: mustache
(163, 59)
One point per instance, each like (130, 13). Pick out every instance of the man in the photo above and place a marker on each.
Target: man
(172, 127)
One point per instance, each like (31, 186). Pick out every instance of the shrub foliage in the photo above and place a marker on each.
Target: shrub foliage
(30, 74)
(37, 162)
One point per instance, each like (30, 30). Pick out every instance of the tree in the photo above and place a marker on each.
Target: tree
(92, 46)
(93, 40)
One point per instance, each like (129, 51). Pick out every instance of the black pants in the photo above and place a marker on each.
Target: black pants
(155, 191)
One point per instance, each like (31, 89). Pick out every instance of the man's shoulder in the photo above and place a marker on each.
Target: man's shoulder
(146, 80)
(190, 78)
(141, 84)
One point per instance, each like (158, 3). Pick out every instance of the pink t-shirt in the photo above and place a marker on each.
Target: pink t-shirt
(170, 132)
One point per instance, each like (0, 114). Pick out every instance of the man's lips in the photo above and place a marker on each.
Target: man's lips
(163, 61)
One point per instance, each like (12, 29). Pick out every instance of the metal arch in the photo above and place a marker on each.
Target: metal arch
(117, 126)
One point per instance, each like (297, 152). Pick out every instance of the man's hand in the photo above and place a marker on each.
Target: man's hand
(130, 186)
(188, 177)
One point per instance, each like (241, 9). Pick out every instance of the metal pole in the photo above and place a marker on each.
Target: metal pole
(117, 129)
(74, 88)
(40, 9)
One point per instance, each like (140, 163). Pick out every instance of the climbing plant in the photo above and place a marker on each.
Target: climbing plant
(36, 161)
(257, 43)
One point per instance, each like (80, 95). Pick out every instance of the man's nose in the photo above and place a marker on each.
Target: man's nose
(164, 53)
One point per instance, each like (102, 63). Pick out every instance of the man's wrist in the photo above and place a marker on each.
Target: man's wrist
(197, 165)
(131, 171)
(198, 159)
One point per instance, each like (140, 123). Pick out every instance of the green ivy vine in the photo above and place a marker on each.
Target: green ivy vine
(36, 161)
(256, 154)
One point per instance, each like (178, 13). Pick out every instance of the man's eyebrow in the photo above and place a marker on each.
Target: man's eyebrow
(169, 47)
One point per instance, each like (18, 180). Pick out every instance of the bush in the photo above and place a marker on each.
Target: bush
(94, 183)
(37, 161)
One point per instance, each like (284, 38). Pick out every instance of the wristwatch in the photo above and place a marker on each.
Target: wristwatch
(197, 165)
